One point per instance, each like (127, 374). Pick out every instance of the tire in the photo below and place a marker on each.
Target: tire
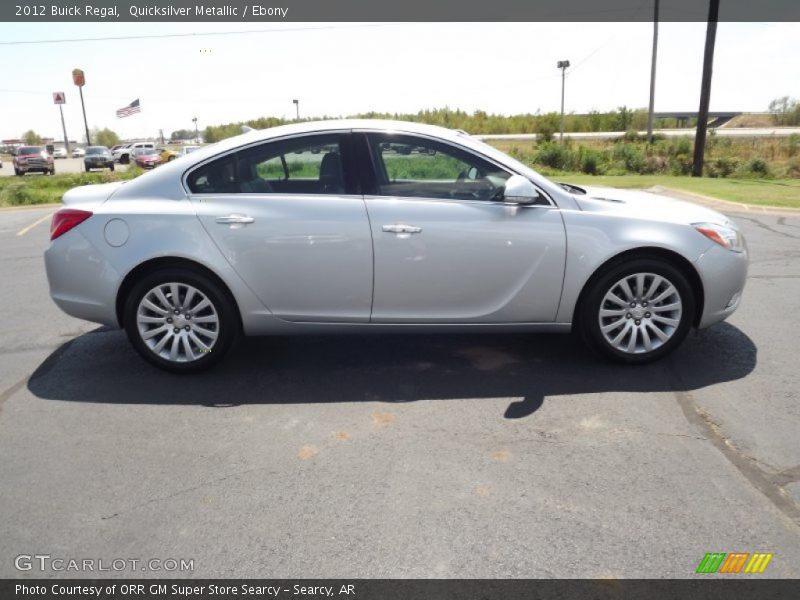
(665, 312)
(124, 159)
(88, 170)
(204, 350)
(18, 173)
(53, 171)
(111, 166)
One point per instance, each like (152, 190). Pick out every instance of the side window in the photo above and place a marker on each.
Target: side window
(302, 165)
(216, 177)
(409, 166)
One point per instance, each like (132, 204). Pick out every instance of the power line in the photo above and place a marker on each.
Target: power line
(184, 35)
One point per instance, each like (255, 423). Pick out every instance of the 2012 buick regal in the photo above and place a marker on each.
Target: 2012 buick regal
(354, 226)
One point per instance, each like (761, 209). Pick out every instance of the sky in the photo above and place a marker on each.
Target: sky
(340, 69)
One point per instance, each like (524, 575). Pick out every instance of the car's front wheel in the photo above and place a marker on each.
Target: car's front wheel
(180, 320)
(637, 311)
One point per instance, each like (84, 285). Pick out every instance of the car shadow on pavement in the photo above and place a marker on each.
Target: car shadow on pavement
(100, 366)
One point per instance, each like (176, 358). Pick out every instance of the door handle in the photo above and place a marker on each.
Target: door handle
(235, 220)
(400, 228)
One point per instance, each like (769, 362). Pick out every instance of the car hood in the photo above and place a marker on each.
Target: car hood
(86, 196)
(645, 205)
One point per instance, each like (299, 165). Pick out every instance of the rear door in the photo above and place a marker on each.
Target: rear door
(288, 216)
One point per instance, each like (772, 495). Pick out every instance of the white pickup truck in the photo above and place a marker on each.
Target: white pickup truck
(123, 154)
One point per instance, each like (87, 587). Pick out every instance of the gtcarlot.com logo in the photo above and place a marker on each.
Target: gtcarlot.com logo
(734, 562)
(46, 562)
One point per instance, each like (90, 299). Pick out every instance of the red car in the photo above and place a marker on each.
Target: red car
(33, 158)
(147, 158)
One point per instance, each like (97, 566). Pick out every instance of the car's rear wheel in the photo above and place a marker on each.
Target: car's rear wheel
(637, 311)
(179, 320)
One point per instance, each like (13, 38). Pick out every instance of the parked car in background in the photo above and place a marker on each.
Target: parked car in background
(258, 235)
(125, 154)
(167, 155)
(98, 157)
(147, 158)
(188, 150)
(60, 153)
(33, 159)
(78, 152)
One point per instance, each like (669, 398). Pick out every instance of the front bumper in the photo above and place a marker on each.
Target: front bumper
(723, 274)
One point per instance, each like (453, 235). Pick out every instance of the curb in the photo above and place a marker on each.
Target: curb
(29, 206)
(702, 199)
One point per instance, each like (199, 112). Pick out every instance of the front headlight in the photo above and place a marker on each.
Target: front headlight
(727, 237)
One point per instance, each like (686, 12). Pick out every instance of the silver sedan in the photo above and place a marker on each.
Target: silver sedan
(380, 226)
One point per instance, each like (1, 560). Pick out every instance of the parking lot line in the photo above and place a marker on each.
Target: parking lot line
(25, 230)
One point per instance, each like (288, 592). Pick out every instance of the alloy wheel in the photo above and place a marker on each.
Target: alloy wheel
(177, 322)
(640, 313)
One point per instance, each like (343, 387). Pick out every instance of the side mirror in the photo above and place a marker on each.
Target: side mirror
(520, 190)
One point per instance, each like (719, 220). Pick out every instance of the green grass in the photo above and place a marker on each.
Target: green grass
(761, 192)
(46, 189)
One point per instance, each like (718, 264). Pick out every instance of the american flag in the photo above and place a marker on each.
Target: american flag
(127, 111)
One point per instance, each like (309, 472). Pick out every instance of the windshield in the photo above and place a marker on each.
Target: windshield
(97, 150)
(31, 150)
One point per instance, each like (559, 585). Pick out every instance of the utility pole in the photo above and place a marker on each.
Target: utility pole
(297, 107)
(653, 76)
(705, 90)
(196, 132)
(562, 64)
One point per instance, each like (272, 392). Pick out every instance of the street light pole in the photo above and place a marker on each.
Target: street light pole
(64, 128)
(650, 114)
(562, 64)
(297, 107)
(85, 122)
(196, 132)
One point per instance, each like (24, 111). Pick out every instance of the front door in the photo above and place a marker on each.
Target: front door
(448, 249)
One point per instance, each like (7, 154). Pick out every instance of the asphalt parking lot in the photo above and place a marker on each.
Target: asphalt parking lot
(402, 456)
(63, 165)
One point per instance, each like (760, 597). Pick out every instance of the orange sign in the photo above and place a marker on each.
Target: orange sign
(78, 77)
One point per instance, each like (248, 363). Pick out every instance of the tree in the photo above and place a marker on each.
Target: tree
(31, 138)
(182, 134)
(105, 137)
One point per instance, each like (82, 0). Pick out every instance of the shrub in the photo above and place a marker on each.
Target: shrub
(793, 168)
(758, 167)
(631, 156)
(794, 144)
(589, 161)
(553, 155)
(723, 166)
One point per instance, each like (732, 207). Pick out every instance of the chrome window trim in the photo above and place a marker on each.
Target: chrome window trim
(247, 146)
(504, 167)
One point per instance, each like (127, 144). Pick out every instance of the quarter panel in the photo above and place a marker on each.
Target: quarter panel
(166, 228)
